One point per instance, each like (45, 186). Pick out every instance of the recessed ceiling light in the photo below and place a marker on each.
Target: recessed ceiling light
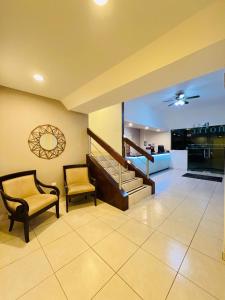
(38, 77)
(158, 130)
(130, 124)
(100, 2)
(146, 127)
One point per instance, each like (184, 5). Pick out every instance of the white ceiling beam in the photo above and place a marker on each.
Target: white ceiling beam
(193, 48)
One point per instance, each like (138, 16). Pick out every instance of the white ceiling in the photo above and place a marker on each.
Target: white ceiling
(71, 42)
(210, 88)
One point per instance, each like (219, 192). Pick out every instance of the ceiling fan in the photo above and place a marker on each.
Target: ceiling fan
(180, 99)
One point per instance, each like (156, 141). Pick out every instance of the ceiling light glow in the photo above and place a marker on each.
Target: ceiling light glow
(130, 124)
(100, 2)
(158, 130)
(146, 127)
(179, 102)
(38, 77)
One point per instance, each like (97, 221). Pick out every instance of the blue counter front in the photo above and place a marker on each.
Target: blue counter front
(161, 162)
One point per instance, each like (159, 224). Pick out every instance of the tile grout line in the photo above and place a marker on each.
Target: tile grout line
(17, 259)
(114, 230)
(115, 272)
(36, 285)
(188, 279)
(53, 271)
(189, 248)
(138, 248)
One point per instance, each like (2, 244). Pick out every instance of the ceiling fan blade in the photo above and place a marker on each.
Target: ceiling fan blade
(168, 100)
(171, 104)
(193, 97)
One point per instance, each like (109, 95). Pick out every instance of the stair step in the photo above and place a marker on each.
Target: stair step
(125, 176)
(101, 158)
(139, 194)
(132, 184)
(112, 170)
(108, 163)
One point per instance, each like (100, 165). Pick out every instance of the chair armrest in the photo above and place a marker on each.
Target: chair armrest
(93, 181)
(19, 209)
(54, 188)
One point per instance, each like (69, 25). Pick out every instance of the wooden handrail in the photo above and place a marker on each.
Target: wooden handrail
(108, 148)
(138, 149)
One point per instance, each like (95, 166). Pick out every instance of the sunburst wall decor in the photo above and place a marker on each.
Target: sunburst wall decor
(47, 141)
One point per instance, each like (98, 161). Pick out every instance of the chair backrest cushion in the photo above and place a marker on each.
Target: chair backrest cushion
(20, 187)
(77, 176)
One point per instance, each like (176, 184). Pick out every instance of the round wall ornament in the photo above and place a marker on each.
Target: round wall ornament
(47, 141)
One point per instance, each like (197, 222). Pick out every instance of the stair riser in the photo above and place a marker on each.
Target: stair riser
(112, 171)
(125, 176)
(108, 164)
(132, 185)
(102, 158)
(139, 195)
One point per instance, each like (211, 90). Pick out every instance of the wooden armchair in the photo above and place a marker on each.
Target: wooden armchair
(77, 181)
(24, 198)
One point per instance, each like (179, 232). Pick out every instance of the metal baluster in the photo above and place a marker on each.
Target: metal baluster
(120, 176)
(147, 168)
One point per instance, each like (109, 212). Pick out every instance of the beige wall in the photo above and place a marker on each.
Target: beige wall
(20, 113)
(134, 135)
(156, 138)
(107, 123)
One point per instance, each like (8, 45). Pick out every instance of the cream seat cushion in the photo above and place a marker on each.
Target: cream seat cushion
(35, 202)
(74, 189)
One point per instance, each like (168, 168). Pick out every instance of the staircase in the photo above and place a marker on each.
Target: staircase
(131, 184)
(119, 183)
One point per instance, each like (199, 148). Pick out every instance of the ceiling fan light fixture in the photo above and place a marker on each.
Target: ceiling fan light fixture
(181, 96)
(179, 102)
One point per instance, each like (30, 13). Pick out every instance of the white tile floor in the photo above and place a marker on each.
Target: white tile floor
(168, 246)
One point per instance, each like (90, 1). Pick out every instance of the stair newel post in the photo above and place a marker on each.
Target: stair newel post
(120, 176)
(147, 168)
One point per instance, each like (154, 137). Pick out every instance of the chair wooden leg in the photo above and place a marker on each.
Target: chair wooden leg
(11, 224)
(67, 203)
(95, 198)
(57, 209)
(26, 230)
